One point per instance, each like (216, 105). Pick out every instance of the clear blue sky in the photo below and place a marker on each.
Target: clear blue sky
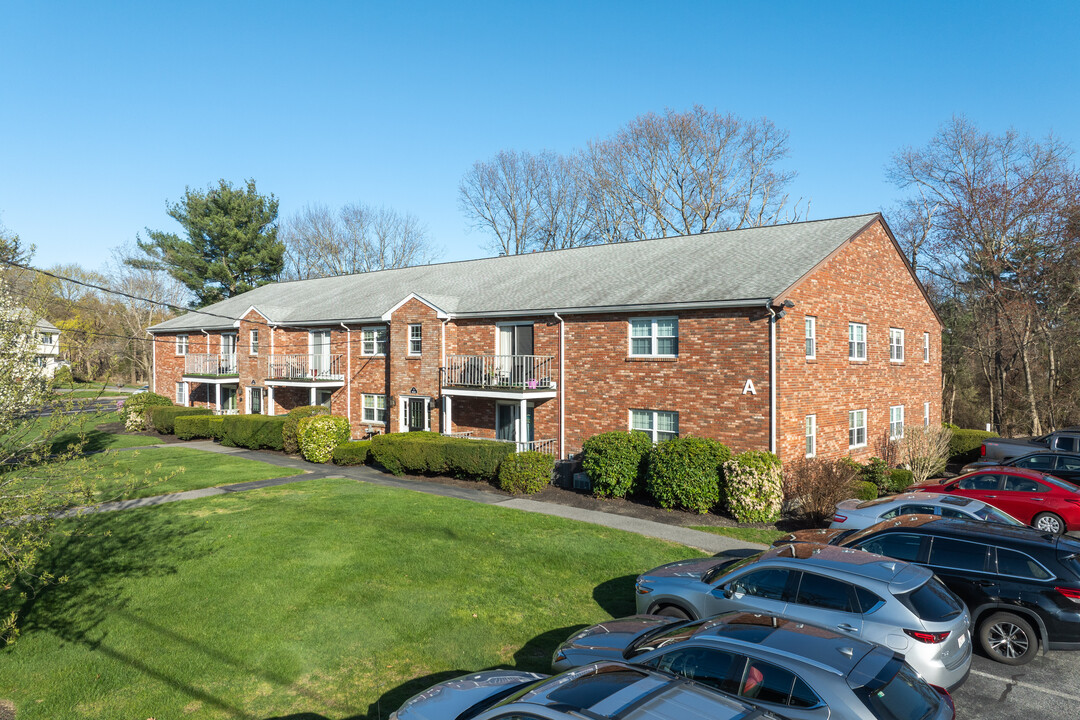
(109, 109)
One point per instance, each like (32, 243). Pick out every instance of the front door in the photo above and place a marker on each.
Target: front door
(256, 406)
(322, 397)
(228, 398)
(416, 412)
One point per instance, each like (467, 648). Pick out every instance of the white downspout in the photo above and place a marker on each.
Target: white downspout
(153, 363)
(444, 415)
(205, 385)
(772, 378)
(348, 375)
(562, 388)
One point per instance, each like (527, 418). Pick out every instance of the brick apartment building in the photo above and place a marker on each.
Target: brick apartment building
(808, 338)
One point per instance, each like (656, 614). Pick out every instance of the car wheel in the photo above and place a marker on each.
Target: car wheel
(1008, 638)
(672, 611)
(1049, 522)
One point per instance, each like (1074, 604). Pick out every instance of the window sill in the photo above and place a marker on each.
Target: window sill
(373, 422)
(414, 357)
(373, 356)
(857, 360)
(652, 358)
(856, 447)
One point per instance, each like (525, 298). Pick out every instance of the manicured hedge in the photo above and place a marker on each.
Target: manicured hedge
(164, 418)
(752, 489)
(899, 479)
(192, 427)
(964, 444)
(615, 462)
(684, 473)
(526, 473)
(431, 453)
(320, 434)
(215, 426)
(253, 431)
(865, 490)
(133, 410)
(289, 438)
(354, 452)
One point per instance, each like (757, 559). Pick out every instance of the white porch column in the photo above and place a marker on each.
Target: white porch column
(312, 397)
(217, 396)
(523, 424)
(447, 403)
(270, 400)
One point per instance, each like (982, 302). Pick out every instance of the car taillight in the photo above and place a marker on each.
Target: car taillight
(1071, 593)
(931, 638)
(839, 518)
(946, 697)
(982, 450)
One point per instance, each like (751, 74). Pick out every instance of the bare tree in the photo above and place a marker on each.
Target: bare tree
(355, 238)
(500, 196)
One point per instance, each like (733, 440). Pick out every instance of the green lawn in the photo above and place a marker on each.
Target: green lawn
(80, 394)
(95, 439)
(156, 471)
(321, 600)
(765, 536)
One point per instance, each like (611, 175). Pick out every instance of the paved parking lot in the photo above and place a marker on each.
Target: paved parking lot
(1047, 688)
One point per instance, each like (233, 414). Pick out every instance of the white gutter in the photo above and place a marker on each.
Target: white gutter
(443, 425)
(772, 378)
(205, 385)
(562, 388)
(348, 375)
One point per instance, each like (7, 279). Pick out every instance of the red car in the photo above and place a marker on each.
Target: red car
(1043, 501)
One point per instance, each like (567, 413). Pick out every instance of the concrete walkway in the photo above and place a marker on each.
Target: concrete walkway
(706, 541)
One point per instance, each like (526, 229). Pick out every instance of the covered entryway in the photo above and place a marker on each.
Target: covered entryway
(415, 413)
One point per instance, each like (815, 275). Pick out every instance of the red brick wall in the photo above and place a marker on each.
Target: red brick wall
(718, 351)
(867, 282)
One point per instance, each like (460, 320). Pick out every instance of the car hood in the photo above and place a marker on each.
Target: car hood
(453, 697)
(611, 638)
(821, 535)
(685, 568)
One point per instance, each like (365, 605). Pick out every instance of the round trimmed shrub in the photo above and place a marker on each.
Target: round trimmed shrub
(289, 441)
(900, 479)
(133, 411)
(865, 490)
(320, 434)
(615, 462)
(354, 452)
(752, 489)
(684, 473)
(62, 377)
(526, 473)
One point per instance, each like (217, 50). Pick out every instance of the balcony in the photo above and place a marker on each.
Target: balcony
(548, 447)
(210, 365)
(499, 375)
(314, 369)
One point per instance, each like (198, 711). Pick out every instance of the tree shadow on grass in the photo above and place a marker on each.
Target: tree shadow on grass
(616, 596)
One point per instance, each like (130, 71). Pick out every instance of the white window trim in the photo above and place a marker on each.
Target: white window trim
(652, 336)
(926, 347)
(857, 358)
(893, 331)
(866, 433)
(926, 414)
(893, 436)
(810, 423)
(363, 342)
(364, 408)
(182, 349)
(187, 394)
(655, 421)
(811, 322)
(409, 339)
(253, 343)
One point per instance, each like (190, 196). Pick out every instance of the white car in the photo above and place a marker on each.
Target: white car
(857, 515)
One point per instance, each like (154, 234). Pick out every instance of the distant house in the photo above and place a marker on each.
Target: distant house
(808, 339)
(48, 347)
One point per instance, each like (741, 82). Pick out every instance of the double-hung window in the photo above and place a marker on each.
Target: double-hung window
(926, 347)
(896, 422)
(657, 424)
(811, 436)
(181, 344)
(856, 429)
(181, 394)
(373, 341)
(811, 337)
(896, 345)
(926, 414)
(375, 408)
(856, 341)
(654, 337)
(254, 343)
(416, 339)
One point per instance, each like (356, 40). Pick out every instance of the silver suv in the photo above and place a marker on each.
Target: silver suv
(799, 671)
(597, 692)
(879, 599)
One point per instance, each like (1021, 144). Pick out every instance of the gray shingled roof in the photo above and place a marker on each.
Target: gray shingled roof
(723, 267)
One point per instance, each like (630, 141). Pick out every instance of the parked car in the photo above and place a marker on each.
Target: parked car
(1059, 464)
(879, 599)
(799, 671)
(1066, 440)
(597, 691)
(1040, 500)
(856, 514)
(1021, 586)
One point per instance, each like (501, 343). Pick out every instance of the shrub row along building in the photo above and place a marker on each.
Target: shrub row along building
(811, 338)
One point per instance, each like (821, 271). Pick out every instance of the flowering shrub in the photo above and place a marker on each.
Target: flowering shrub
(752, 489)
(320, 434)
(134, 409)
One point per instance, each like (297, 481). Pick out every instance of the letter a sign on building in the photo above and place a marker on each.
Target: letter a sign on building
(748, 388)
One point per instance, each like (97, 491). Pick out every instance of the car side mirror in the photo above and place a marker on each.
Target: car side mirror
(729, 591)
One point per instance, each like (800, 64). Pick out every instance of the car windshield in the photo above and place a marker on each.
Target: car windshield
(726, 567)
(992, 514)
(905, 697)
(662, 636)
(581, 690)
(931, 601)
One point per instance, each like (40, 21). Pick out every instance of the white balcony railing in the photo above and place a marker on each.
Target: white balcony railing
(316, 368)
(520, 372)
(543, 446)
(210, 364)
